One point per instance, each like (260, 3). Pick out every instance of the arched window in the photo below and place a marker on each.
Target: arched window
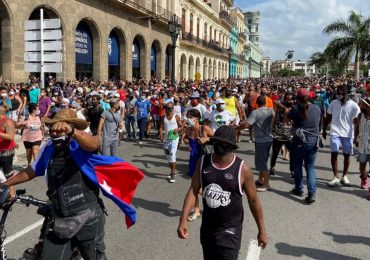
(191, 23)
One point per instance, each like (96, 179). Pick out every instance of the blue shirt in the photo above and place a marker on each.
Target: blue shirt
(104, 105)
(34, 95)
(143, 106)
(9, 103)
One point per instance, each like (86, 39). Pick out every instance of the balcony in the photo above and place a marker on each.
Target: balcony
(150, 8)
(243, 36)
(226, 19)
(213, 45)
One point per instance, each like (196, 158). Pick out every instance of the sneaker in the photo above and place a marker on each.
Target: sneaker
(172, 179)
(334, 182)
(297, 192)
(345, 181)
(363, 184)
(272, 172)
(311, 198)
(140, 142)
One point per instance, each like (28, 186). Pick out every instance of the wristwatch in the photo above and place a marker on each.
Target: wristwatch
(72, 131)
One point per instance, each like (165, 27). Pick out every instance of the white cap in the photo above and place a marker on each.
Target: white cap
(235, 90)
(220, 101)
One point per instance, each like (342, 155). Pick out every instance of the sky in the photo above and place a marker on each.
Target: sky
(297, 24)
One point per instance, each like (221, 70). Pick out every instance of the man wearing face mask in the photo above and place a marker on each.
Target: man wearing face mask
(5, 101)
(195, 104)
(142, 106)
(343, 115)
(63, 174)
(220, 116)
(224, 178)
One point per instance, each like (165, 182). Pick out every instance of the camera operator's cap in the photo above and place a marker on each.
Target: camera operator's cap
(302, 92)
(225, 134)
(195, 95)
(70, 117)
(220, 101)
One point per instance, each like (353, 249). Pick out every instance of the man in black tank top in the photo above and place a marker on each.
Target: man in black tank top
(224, 178)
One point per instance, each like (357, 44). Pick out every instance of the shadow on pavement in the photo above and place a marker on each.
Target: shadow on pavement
(160, 207)
(311, 253)
(347, 239)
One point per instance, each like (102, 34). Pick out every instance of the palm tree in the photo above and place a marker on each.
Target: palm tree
(289, 54)
(353, 38)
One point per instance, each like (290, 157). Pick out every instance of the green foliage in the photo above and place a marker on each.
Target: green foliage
(290, 73)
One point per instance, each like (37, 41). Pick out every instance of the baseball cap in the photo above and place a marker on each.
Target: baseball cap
(303, 92)
(220, 101)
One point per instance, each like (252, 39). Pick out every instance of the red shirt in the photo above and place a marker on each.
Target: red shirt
(122, 95)
(5, 145)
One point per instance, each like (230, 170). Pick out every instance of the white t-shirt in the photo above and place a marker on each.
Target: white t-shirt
(220, 118)
(342, 118)
(202, 109)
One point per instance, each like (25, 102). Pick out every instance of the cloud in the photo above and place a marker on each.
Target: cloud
(297, 24)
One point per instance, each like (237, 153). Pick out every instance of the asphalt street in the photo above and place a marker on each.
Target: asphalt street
(335, 227)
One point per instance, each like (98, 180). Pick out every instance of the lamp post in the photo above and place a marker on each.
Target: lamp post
(175, 28)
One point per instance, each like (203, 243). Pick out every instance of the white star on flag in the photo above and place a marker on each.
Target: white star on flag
(106, 187)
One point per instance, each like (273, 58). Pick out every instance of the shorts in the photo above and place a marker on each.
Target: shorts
(6, 162)
(363, 158)
(345, 142)
(216, 252)
(155, 117)
(261, 156)
(170, 149)
(29, 145)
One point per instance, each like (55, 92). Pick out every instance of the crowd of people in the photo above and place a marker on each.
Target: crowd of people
(288, 115)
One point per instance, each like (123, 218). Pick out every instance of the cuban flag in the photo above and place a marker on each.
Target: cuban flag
(116, 178)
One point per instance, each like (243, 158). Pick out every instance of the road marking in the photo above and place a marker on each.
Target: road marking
(23, 232)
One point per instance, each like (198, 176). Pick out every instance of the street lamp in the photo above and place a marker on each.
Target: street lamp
(175, 28)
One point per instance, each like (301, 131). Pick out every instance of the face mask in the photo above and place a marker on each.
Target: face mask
(11, 93)
(223, 106)
(221, 150)
(191, 122)
(60, 140)
(37, 112)
(55, 93)
(142, 97)
(155, 96)
(4, 95)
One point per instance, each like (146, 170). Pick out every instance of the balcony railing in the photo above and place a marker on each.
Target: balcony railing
(243, 36)
(151, 7)
(213, 45)
(225, 16)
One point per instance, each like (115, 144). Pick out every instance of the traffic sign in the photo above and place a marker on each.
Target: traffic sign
(48, 56)
(48, 46)
(48, 35)
(36, 24)
(48, 67)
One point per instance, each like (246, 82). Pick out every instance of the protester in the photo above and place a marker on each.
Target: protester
(224, 178)
(32, 134)
(172, 127)
(262, 119)
(142, 107)
(342, 114)
(306, 119)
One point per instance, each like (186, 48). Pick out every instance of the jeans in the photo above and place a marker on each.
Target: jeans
(130, 122)
(109, 147)
(141, 123)
(276, 146)
(304, 153)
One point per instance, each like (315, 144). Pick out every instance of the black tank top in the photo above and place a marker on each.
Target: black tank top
(15, 104)
(223, 213)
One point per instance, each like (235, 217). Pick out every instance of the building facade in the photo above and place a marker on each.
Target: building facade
(253, 47)
(204, 41)
(100, 39)
(266, 66)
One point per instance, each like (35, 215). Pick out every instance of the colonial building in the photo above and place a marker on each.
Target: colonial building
(204, 42)
(266, 66)
(239, 55)
(253, 47)
(100, 39)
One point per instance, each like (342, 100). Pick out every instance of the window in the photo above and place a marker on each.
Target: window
(183, 23)
(198, 27)
(191, 23)
(205, 31)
